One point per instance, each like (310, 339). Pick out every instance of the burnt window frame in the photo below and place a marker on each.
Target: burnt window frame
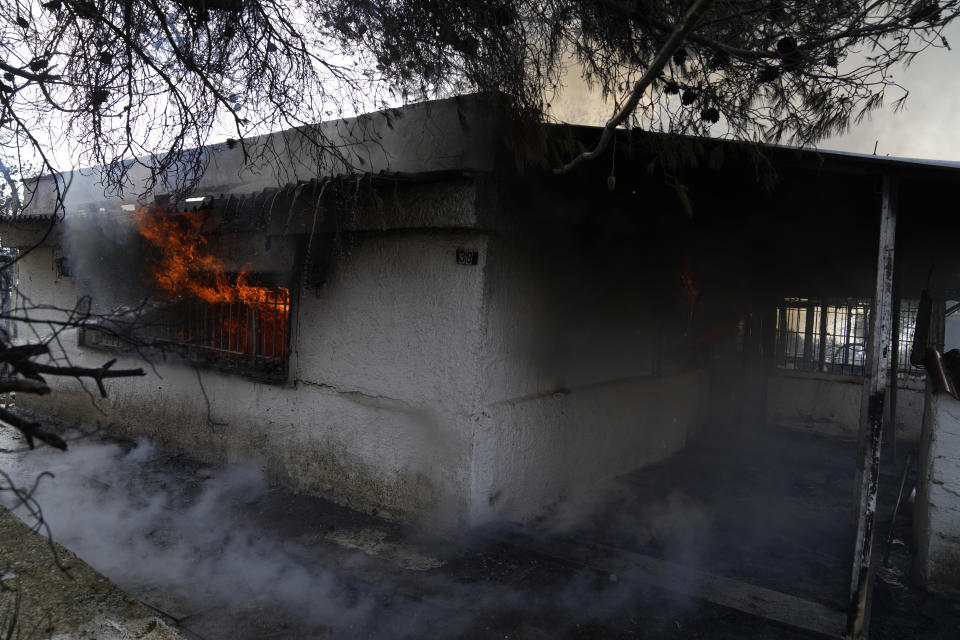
(61, 264)
(153, 338)
(257, 358)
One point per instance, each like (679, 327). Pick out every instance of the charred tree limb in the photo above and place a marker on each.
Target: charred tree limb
(24, 385)
(19, 352)
(31, 430)
(20, 358)
(98, 374)
(27, 75)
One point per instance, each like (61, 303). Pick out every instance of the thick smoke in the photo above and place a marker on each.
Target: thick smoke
(676, 527)
(128, 514)
(104, 255)
(180, 536)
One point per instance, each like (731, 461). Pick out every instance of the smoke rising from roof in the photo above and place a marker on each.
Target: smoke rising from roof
(925, 128)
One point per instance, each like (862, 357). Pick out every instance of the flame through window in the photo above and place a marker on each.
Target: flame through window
(213, 315)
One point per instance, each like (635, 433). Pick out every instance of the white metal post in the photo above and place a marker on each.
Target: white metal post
(871, 417)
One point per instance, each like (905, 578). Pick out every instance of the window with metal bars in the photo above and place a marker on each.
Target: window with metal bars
(250, 335)
(907, 327)
(831, 335)
(247, 336)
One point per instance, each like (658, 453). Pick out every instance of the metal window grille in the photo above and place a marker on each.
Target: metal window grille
(846, 325)
(831, 335)
(797, 341)
(238, 334)
(246, 337)
(908, 325)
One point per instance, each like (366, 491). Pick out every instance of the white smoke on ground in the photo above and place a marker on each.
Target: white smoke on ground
(136, 522)
(178, 535)
(676, 526)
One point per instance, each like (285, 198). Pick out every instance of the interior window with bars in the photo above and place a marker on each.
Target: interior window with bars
(831, 335)
(908, 325)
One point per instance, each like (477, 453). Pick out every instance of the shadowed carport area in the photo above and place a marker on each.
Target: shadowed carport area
(738, 513)
(808, 237)
(771, 508)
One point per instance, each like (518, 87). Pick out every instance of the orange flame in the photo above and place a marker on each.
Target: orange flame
(181, 267)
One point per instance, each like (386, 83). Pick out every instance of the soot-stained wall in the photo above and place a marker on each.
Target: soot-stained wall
(378, 406)
(587, 366)
(591, 336)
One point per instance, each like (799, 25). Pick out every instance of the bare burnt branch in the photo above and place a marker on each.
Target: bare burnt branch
(24, 386)
(98, 375)
(21, 358)
(22, 352)
(25, 498)
(671, 46)
(31, 430)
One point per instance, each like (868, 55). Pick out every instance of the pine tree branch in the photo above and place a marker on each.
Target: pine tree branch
(676, 39)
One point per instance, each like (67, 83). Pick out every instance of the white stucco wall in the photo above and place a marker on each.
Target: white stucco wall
(422, 388)
(830, 404)
(379, 408)
(936, 526)
(380, 404)
(532, 452)
(39, 287)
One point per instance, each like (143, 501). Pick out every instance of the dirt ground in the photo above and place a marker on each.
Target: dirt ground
(221, 554)
(47, 592)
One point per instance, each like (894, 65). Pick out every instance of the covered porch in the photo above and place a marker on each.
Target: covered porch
(803, 274)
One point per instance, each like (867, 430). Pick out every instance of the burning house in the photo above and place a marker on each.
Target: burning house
(458, 335)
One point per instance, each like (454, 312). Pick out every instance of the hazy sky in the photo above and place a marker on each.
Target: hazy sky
(927, 127)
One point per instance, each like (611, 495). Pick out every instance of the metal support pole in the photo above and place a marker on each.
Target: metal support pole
(808, 336)
(822, 354)
(894, 374)
(871, 418)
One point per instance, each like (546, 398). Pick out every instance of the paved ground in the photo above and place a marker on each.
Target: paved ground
(221, 554)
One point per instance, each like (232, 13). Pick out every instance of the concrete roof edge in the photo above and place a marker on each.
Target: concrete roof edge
(821, 158)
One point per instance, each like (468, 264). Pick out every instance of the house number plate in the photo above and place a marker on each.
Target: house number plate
(468, 257)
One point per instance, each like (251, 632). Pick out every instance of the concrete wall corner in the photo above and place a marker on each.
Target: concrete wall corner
(936, 526)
